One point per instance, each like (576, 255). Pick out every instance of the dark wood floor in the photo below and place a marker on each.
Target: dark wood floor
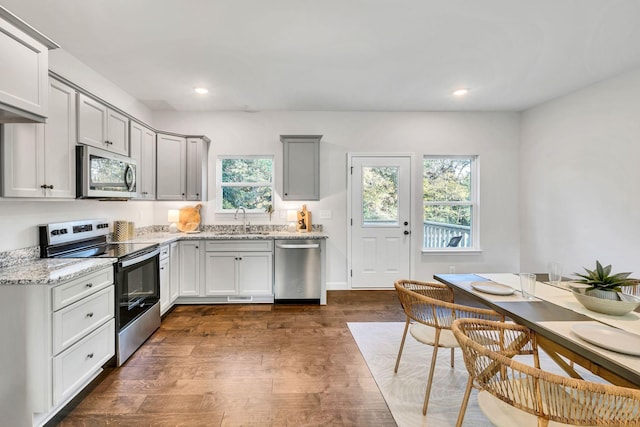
(248, 365)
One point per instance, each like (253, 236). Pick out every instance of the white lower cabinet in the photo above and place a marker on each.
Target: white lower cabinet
(238, 273)
(239, 269)
(222, 271)
(75, 366)
(165, 283)
(190, 254)
(57, 339)
(174, 269)
(169, 275)
(83, 328)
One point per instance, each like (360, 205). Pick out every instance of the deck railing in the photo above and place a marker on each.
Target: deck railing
(438, 234)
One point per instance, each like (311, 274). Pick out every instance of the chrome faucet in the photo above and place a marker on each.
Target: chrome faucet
(245, 225)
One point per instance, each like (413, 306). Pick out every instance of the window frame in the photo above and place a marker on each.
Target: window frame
(220, 184)
(474, 203)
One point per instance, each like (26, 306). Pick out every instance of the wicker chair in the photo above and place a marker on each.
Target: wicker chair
(513, 393)
(430, 310)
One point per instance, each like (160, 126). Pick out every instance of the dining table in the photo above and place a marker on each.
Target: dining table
(560, 324)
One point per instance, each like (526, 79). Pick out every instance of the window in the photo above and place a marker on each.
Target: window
(450, 202)
(245, 181)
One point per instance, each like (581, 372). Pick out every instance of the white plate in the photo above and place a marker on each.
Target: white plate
(492, 288)
(609, 337)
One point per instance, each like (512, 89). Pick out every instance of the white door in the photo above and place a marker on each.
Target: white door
(380, 220)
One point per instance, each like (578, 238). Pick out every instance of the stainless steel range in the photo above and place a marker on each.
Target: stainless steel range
(137, 277)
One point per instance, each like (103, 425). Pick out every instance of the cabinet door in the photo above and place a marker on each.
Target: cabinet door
(23, 160)
(221, 273)
(171, 162)
(165, 279)
(117, 132)
(255, 273)
(23, 74)
(149, 164)
(190, 268)
(60, 142)
(39, 159)
(142, 147)
(301, 169)
(174, 269)
(92, 122)
(197, 169)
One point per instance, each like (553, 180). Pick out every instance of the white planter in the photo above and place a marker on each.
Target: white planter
(607, 305)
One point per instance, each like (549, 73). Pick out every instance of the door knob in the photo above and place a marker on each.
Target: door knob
(407, 232)
(406, 223)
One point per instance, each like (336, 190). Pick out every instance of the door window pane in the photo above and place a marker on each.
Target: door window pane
(380, 196)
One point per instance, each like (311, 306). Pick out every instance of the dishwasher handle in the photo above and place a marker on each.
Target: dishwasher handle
(293, 246)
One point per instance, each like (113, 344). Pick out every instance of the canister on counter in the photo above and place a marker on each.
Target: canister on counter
(120, 231)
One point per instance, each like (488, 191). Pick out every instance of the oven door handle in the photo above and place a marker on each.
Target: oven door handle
(141, 258)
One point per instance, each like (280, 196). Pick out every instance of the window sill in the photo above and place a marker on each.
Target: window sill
(441, 251)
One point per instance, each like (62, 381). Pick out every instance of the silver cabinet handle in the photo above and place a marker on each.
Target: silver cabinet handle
(308, 246)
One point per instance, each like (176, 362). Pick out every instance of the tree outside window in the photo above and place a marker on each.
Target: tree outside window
(450, 201)
(245, 181)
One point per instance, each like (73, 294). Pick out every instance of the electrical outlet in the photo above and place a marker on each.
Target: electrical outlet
(325, 214)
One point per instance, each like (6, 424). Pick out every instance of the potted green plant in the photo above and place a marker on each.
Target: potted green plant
(602, 291)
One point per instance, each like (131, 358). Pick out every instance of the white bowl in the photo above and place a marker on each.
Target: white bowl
(607, 306)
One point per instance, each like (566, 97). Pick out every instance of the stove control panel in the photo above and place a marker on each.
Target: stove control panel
(65, 232)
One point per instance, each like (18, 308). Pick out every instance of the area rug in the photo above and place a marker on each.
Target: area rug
(404, 392)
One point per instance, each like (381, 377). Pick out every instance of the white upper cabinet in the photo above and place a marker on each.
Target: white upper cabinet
(142, 145)
(102, 127)
(301, 167)
(182, 167)
(197, 164)
(23, 73)
(38, 160)
(171, 178)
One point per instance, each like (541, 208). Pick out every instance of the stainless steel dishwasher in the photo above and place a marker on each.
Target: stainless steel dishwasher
(299, 271)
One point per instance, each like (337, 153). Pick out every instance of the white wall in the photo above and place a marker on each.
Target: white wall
(580, 177)
(19, 219)
(492, 136)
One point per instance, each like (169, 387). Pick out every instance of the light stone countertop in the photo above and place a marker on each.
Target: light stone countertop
(51, 271)
(164, 238)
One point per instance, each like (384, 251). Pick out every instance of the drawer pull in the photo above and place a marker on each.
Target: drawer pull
(89, 314)
(89, 285)
(90, 356)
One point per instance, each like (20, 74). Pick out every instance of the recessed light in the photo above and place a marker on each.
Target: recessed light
(460, 92)
(201, 90)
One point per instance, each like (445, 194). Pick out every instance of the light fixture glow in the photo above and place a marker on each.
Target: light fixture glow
(201, 90)
(460, 92)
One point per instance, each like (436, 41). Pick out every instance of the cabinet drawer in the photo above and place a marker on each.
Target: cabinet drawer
(76, 320)
(164, 252)
(240, 246)
(79, 288)
(75, 366)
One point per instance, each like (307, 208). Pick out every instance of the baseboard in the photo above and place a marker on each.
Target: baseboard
(337, 286)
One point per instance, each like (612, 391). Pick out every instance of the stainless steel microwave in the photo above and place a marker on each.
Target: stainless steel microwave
(104, 175)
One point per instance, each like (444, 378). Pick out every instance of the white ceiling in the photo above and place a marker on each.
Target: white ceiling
(344, 55)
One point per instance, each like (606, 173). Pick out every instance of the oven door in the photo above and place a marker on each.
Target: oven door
(137, 285)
